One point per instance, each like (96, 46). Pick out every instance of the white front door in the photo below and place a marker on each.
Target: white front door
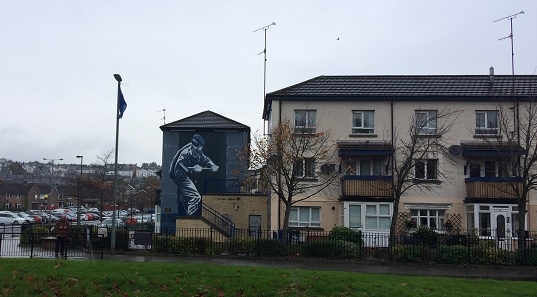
(500, 218)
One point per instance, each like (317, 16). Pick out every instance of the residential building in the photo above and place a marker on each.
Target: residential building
(370, 116)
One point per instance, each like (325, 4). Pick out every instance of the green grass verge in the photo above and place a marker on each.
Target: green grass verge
(42, 277)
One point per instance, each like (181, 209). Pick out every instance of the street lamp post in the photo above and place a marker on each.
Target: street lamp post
(78, 197)
(51, 180)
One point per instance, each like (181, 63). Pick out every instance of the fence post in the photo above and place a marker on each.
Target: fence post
(211, 242)
(166, 241)
(32, 240)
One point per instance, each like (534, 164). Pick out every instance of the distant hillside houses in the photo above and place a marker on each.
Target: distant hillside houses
(47, 173)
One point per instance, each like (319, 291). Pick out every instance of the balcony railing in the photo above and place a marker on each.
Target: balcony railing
(229, 186)
(366, 186)
(491, 187)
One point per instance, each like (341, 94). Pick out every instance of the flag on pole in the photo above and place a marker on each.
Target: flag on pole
(122, 105)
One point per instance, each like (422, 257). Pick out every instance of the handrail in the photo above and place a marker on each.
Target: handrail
(218, 220)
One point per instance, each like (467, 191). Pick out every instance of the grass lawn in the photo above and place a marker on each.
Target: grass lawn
(45, 277)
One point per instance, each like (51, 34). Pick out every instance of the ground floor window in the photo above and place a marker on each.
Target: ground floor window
(432, 218)
(305, 216)
(367, 216)
(498, 220)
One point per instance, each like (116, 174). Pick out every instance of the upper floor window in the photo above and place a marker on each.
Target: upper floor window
(426, 169)
(305, 121)
(486, 122)
(365, 167)
(363, 122)
(426, 122)
(491, 168)
(305, 168)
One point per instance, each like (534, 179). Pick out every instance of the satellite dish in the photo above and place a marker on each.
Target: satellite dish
(455, 150)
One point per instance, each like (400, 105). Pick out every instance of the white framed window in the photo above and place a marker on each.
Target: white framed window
(8, 195)
(378, 216)
(486, 122)
(7, 206)
(426, 122)
(305, 216)
(426, 169)
(305, 168)
(363, 122)
(305, 121)
(432, 218)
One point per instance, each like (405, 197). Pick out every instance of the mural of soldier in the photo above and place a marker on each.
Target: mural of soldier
(189, 159)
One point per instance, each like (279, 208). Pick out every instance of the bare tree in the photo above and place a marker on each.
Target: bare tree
(426, 141)
(104, 186)
(291, 161)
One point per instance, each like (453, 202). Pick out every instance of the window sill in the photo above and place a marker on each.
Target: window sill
(426, 181)
(429, 136)
(358, 135)
(486, 136)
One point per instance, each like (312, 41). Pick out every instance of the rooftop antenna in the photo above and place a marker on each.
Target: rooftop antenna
(164, 117)
(510, 36)
(264, 52)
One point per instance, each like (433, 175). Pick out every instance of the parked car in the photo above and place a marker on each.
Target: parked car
(71, 217)
(26, 217)
(108, 223)
(130, 220)
(93, 209)
(9, 218)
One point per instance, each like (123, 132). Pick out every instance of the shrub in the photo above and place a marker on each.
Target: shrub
(244, 246)
(331, 249)
(455, 254)
(406, 253)
(427, 236)
(526, 257)
(269, 248)
(346, 234)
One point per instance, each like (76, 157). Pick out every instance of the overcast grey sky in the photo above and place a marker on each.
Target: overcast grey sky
(57, 60)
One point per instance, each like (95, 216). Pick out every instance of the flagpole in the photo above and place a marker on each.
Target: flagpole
(114, 215)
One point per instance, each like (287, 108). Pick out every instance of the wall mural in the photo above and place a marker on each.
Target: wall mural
(187, 161)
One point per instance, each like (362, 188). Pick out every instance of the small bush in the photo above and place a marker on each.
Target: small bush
(526, 257)
(338, 249)
(346, 234)
(269, 248)
(427, 236)
(406, 253)
(455, 254)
